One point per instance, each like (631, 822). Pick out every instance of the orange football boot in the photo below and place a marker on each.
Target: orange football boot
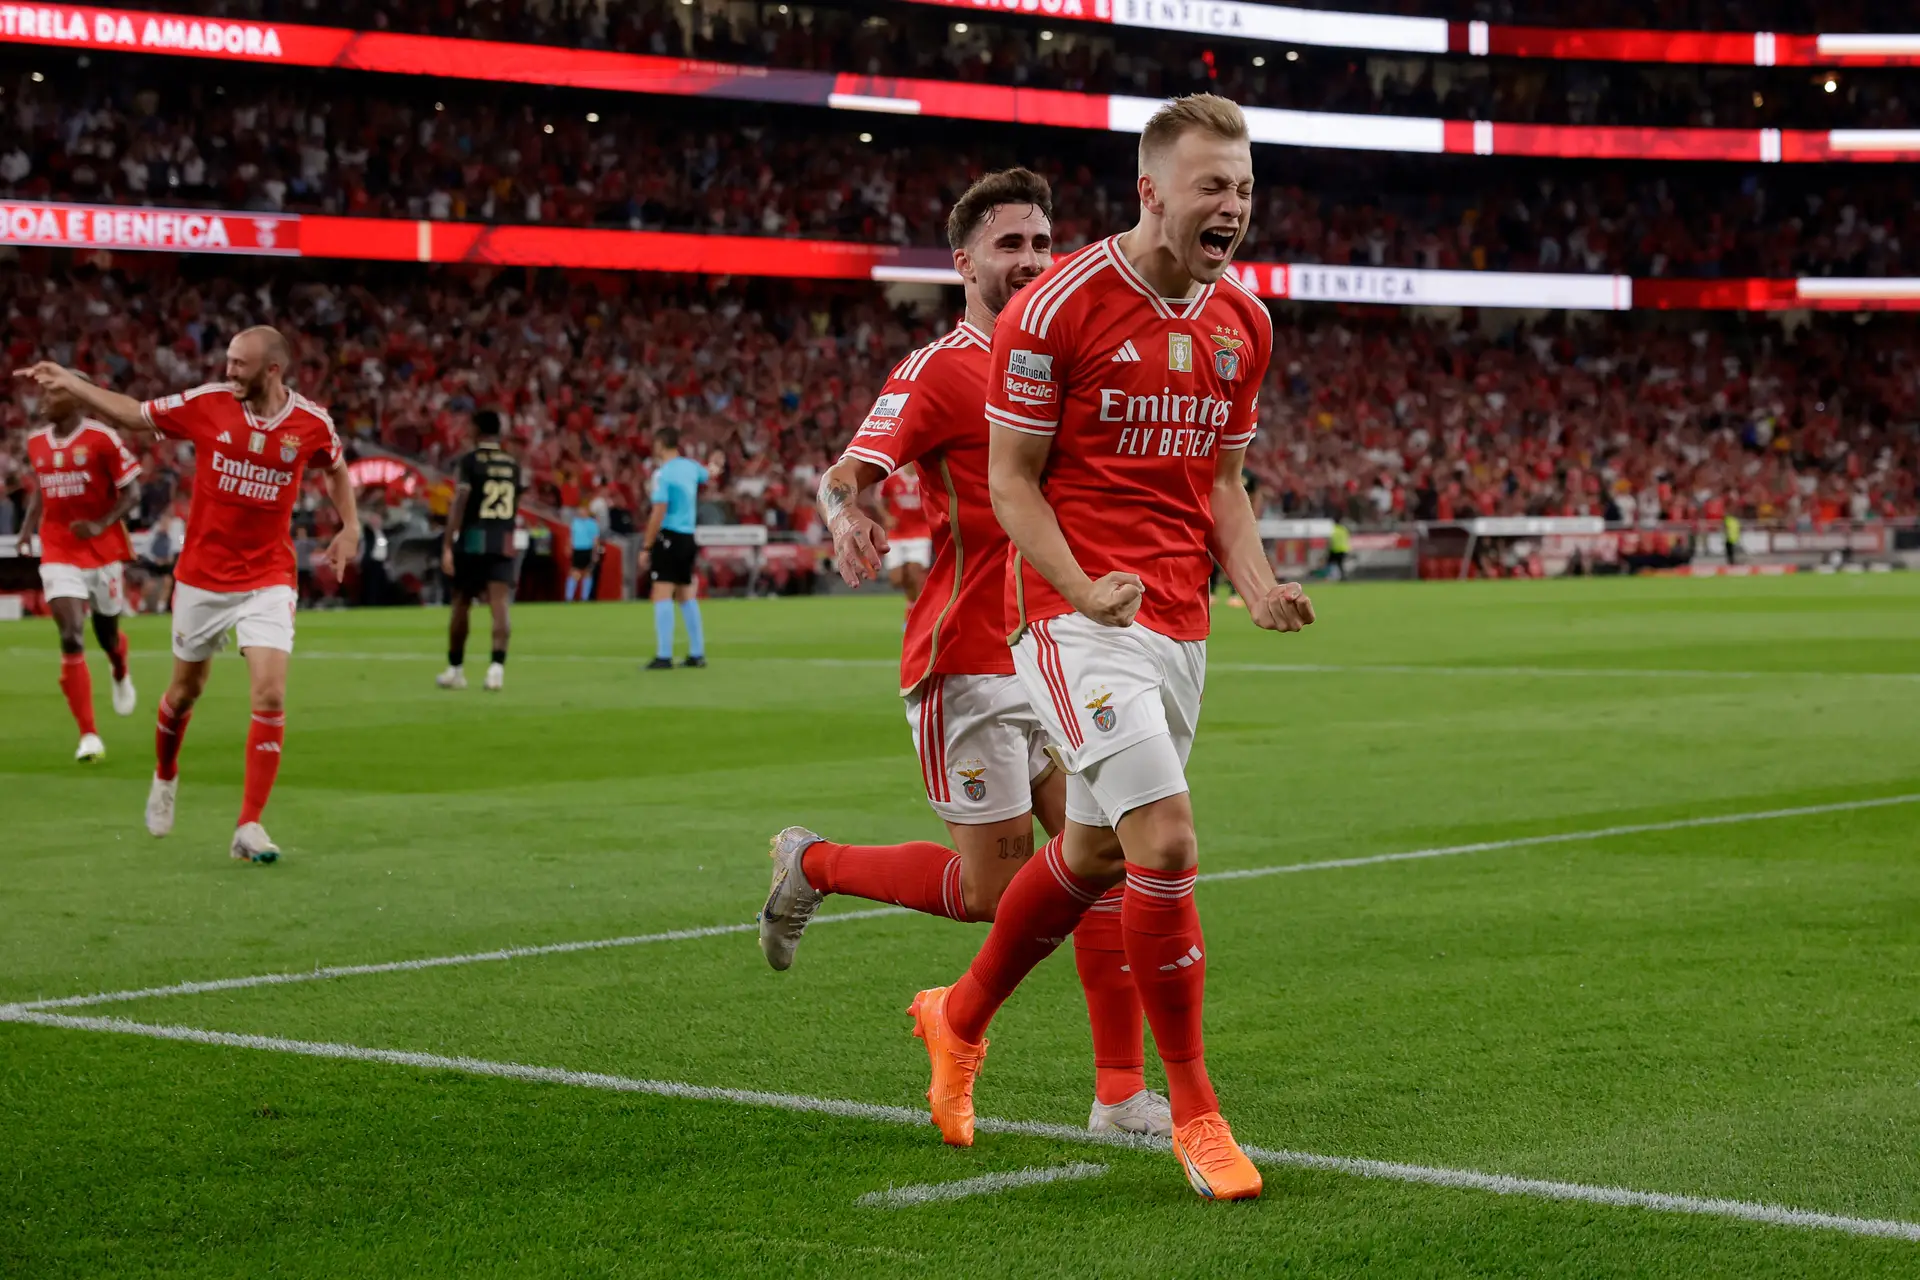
(955, 1064)
(1215, 1165)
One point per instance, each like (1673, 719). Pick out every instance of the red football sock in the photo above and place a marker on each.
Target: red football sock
(117, 656)
(77, 683)
(1039, 909)
(167, 737)
(264, 736)
(919, 875)
(1113, 1003)
(1165, 953)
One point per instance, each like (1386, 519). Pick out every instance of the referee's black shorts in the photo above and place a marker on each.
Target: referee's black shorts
(670, 559)
(473, 570)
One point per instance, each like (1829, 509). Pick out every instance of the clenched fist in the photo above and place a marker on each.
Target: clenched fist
(1284, 607)
(1113, 600)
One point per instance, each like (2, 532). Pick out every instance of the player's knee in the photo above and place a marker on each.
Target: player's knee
(1160, 836)
(70, 641)
(270, 696)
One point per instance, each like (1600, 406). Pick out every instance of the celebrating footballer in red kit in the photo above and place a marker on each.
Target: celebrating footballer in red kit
(909, 540)
(1122, 397)
(86, 481)
(982, 750)
(254, 439)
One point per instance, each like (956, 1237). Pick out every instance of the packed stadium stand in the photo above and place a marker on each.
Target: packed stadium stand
(460, 152)
(1375, 415)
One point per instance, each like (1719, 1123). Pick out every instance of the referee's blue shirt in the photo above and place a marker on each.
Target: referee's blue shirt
(676, 482)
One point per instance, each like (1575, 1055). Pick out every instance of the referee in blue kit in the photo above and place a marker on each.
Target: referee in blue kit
(668, 559)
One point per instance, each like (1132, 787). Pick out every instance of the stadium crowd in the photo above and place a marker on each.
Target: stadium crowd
(993, 47)
(467, 154)
(1377, 418)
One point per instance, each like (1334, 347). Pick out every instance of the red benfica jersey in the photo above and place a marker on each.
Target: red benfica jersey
(246, 476)
(905, 505)
(80, 479)
(1140, 395)
(929, 415)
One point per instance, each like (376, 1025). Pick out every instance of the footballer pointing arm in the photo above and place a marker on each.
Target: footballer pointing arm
(123, 413)
(119, 412)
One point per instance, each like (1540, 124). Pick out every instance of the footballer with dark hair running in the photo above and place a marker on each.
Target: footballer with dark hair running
(477, 553)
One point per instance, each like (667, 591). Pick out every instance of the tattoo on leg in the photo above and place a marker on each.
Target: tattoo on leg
(1017, 846)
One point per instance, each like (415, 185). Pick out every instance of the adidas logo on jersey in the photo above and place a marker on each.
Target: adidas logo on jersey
(1126, 354)
(226, 437)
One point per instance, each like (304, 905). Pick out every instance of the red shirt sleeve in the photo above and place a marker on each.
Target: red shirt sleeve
(122, 467)
(905, 422)
(1025, 379)
(183, 415)
(326, 449)
(1243, 420)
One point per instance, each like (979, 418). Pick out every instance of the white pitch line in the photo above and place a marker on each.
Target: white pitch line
(985, 1185)
(1566, 837)
(430, 962)
(1385, 1170)
(710, 931)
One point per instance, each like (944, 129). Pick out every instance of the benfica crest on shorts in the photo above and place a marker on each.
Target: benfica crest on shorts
(1226, 355)
(1104, 716)
(973, 780)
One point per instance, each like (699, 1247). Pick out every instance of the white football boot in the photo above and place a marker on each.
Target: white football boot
(252, 844)
(125, 698)
(452, 678)
(496, 677)
(160, 806)
(791, 901)
(91, 749)
(1146, 1112)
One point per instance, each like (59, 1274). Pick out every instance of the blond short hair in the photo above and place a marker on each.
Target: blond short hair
(1202, 113)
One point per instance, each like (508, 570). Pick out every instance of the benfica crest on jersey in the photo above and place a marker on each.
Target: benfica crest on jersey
(80, 456)
(1104, 716)
(1226, 355)
(289, 449)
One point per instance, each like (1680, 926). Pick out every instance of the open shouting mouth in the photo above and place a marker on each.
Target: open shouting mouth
(1217, 242)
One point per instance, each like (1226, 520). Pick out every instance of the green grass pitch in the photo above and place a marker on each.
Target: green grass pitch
(1713, 1011)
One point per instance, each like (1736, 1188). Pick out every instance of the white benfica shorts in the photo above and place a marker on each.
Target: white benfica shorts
(908, 551)
(104, 587)
(202, 619)
(1102, 690)
(980, 747)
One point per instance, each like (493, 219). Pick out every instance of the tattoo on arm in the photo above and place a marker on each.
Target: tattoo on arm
(835, 496)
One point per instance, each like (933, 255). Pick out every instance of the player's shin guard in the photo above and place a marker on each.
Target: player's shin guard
(1167, 957)
(168, 735)
(1113, 1002)
(1039, 910)
(77, 683)
(919, 875)
(264, 736)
